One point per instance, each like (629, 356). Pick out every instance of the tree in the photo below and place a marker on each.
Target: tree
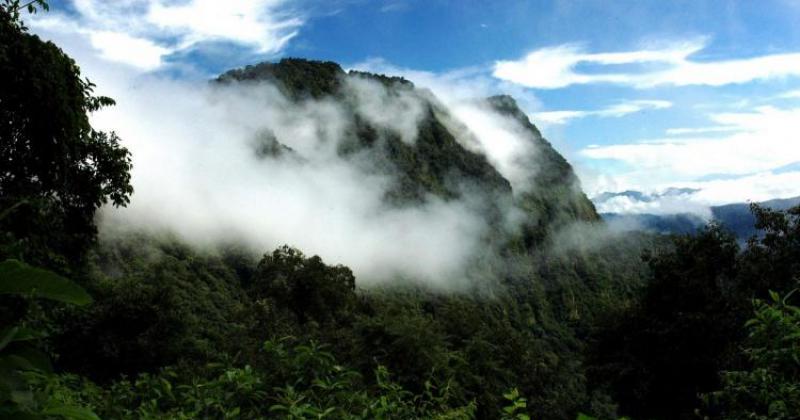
(55, 169)
(661, 354)
(306, 286)
(771, 260)
(770, 388)
(24, 366)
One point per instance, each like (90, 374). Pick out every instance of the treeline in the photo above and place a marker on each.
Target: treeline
(714, 332)
(142, 326)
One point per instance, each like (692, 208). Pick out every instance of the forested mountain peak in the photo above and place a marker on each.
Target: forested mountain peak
(299, 77)
(445, 157)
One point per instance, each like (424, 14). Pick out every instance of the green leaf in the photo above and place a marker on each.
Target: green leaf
(6, 212)
(19, 278)
(775, 297)
(20, 415)
(13, 334)
(25, 358)
(22, 396)
(73, 413)
(7, 335)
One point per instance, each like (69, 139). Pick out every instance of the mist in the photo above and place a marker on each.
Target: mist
(197, 175)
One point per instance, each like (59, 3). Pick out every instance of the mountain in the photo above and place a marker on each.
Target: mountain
(437, 162)
(554, 197)
(736, 217)
(425, 167)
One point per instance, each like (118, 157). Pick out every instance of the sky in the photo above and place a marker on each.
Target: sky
(637, 94)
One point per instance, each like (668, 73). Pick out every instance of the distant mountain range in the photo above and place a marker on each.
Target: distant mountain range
(643, 197)
(736, 217)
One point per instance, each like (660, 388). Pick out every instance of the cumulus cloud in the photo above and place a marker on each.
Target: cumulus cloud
(741, 156)
(122, 48)
(255, 23)
(142, 33)
(757, 187)
(618, 110)
(760, 140)
(660, 204)
(673, 65)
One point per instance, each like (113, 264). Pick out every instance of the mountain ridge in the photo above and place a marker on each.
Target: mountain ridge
(736, 217)
(437, 162)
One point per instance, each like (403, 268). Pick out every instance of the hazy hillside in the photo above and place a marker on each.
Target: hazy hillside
(438, 162)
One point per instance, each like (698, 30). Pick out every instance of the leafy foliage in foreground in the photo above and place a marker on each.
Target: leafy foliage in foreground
(658, 356)
(298, 381)
(23, 363)
(770, 387)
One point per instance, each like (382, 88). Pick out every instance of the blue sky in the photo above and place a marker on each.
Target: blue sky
(637, 94)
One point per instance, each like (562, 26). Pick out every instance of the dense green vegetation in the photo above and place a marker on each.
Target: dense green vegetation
(55, 170)
(563, 322)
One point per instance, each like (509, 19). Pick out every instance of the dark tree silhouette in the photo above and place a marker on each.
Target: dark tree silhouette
(55, 169)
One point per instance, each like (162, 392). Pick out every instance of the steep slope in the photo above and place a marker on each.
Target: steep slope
(433, 164)
(553, 199)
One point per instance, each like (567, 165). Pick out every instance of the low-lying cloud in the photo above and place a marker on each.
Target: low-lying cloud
(196, 174)
(508, 146)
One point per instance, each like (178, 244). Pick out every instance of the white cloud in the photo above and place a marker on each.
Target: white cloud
(760, 140)
(558, 117)
(506, 144)
(390, 6)
(455, 85)
(792, 94)
(123, 48)
(614, 111)
(700, 130)
(196, 175)
(556, 67)
(254, 23)
(761, 186)
(631, 107)
(141, 33)
(401, 111)
(662, 205)
(756, 187)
